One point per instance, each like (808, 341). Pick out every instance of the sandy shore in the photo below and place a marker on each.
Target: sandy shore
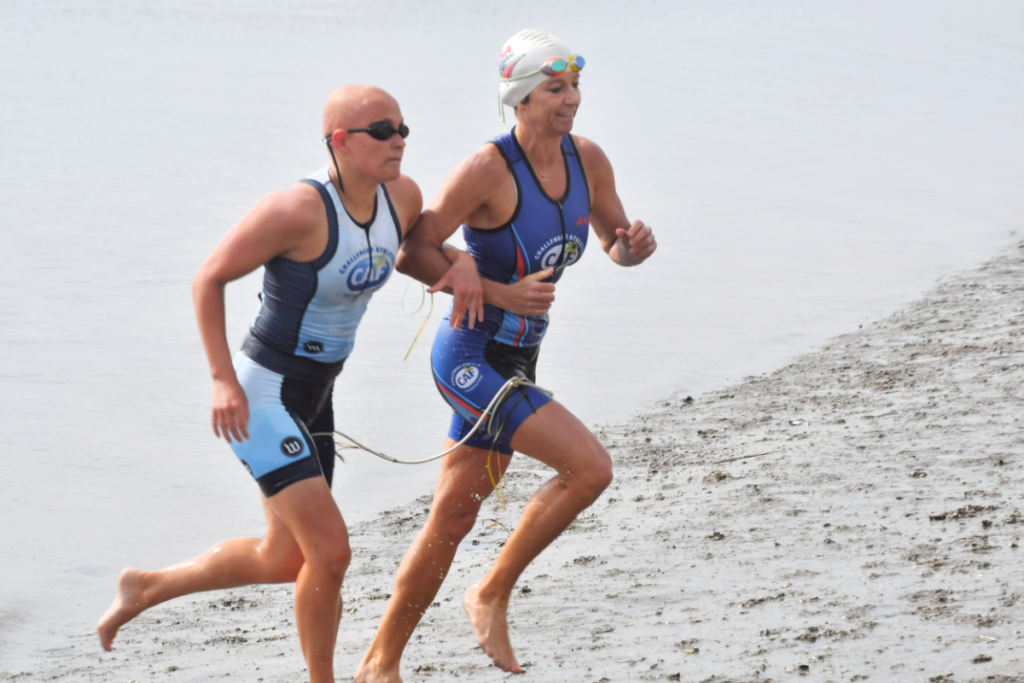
(869, 532)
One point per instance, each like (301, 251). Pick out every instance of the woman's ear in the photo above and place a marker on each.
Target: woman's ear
(338, 140)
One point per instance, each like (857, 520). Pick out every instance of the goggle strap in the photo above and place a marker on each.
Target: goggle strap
(501, 110)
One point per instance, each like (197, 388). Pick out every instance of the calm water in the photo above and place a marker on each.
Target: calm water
(807, 169)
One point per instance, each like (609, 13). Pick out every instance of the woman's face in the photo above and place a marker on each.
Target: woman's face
(378, 159)
(553, 103)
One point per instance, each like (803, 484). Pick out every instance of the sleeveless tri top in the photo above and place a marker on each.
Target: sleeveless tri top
(542, 233)
(306, 324)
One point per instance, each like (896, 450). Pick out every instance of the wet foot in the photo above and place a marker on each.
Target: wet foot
(369, 672)
(490, 626)
(126, 606)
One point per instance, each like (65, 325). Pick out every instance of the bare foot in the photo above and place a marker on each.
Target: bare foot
(126, 606)
(491, 629)
(369, 672)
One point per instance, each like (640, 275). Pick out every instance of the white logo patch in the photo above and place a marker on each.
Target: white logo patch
(465, 376)
(572, 252)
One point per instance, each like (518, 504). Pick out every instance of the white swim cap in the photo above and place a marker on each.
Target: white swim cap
(521, 61)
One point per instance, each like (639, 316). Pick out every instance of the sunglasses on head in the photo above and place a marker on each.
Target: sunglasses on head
(379, 130)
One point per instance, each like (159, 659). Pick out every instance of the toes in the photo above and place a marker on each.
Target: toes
(505, 662)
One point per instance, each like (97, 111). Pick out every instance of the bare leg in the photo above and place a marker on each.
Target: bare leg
(310, 513)
(306, 542)
(556, 438)
(235, 562)
(461, 488)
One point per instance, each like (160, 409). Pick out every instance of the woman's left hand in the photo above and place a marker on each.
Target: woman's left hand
(463, 281)
(638, 240)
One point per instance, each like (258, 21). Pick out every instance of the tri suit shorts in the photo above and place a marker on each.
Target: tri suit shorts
(469, 369)
(283, 413)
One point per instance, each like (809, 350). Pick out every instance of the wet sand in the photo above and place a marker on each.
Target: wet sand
(855, 515)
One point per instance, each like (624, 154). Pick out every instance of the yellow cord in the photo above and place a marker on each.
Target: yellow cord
(416, 338)
(498, 486)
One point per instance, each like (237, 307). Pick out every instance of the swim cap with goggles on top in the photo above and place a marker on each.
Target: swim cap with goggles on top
(529, 58)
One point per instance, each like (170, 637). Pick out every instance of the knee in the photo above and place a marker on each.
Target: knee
(597, 475)
(597, 480)
(333, 559)
(601, 478)
(451, 521)
(338, 560)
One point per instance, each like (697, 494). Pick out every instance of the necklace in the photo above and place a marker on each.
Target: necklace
(545, 176)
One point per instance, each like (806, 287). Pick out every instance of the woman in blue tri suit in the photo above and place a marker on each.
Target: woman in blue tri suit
(326, 244)
(526, 202)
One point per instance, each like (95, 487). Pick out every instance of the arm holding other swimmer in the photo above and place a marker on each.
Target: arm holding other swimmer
(291, 223)
(478, 192)
(628, 244)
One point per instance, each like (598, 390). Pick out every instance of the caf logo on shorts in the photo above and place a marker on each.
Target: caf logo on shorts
(291, 446)
(313, 347)
(465, 376)
(246, 466)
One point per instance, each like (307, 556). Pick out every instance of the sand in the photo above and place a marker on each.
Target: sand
(852, 516)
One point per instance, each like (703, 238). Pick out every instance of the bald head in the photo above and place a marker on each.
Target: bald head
(356, 106)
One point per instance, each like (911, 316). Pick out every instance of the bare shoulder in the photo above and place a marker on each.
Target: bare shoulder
(476, 182)
(481, 168)
(592, 156)
(286, 223)
(293, 213)
(473, 188)
(407, 199)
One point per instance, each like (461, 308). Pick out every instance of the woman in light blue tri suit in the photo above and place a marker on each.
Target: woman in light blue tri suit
(326, 245)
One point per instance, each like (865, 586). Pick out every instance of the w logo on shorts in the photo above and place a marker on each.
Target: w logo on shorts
(291, 446)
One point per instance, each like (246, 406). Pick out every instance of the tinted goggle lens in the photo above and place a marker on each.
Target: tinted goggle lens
(557, 65)
(383, 130)
(554, 66)
(379, 130)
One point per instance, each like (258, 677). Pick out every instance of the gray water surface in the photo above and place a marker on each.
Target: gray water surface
(806, 167)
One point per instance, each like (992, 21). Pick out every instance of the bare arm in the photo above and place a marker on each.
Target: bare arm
(472, 194)
(628, 244)
(467, 193)
(283, 223)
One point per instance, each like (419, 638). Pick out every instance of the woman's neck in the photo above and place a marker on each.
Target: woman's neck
(357, 193)
(544, 147)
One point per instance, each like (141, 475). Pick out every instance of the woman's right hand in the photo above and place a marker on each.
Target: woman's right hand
(529, 296)
(230, 410)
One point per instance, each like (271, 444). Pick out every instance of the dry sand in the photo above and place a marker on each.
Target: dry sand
(872, 535)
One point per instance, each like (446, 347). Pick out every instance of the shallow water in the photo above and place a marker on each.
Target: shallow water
(806, 169)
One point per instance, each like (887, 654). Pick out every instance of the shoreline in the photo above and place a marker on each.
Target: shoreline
(853, 515)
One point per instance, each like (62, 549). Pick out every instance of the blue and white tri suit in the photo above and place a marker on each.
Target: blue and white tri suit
(471, 366)
(301, 335)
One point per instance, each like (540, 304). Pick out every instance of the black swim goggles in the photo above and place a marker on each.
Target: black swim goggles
(379, 130)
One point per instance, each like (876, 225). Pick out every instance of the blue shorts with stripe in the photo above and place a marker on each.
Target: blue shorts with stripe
(284, 412)
(470, 368)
